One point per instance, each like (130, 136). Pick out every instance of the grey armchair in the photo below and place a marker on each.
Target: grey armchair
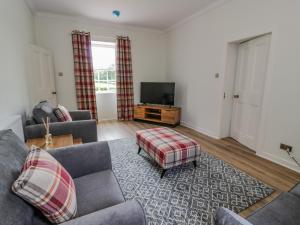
(82, 127)
(99, 198)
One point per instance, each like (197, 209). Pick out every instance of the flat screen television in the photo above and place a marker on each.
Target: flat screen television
(157, 93)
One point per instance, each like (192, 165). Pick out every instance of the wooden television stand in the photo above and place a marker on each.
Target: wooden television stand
(158, 114)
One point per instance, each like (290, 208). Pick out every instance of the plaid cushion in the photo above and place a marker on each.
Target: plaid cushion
(168, 147)
(62, 114)
(45, 184)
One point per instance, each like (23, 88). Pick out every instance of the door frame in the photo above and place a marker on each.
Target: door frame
(266, 39)
(226, 103)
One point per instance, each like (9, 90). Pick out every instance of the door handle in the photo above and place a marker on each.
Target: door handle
(54, 92)
(236, 96)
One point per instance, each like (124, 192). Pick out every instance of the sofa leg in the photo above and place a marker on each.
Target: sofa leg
(139, 150)
(195, 163)
(163, 173)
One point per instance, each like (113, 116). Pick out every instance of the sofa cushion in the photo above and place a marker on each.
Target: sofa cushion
(30, 121)
(62, 114)
(48, 186)
(43, 110)
(97, 191)
(13, 153)
(284, 210)
(226, 217)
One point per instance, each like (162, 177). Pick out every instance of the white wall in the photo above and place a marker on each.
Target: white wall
(16, 24)
(197, 49)
(148, 50)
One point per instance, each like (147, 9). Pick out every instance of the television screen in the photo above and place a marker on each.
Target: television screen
(157, 93)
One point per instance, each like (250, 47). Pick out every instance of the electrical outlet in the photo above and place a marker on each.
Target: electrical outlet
(285, 147)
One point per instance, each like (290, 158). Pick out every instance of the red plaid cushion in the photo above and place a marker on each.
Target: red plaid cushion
(45, 184)
(62, 114)
(168, 147)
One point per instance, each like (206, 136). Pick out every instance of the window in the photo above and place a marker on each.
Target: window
(104, 66)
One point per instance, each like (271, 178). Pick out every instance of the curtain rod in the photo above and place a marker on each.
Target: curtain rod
(100, 36)
(78, 31)
(84, 32)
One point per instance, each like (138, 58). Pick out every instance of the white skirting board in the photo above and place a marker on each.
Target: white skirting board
(206, 132)
(283, 162)
(14, 123)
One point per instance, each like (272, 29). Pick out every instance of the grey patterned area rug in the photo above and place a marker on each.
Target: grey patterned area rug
(185, 195)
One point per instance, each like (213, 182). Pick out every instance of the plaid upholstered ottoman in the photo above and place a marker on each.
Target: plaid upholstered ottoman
(168, 147)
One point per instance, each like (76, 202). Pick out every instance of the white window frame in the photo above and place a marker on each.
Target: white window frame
(104, 45)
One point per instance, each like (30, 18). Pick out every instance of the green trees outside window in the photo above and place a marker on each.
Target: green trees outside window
(105, 80)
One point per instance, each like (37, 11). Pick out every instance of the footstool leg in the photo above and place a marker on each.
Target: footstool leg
(139, 150)
(195, 163)
(163, 173)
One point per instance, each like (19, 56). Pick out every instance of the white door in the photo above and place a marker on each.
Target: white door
(42, 80)
(249, 90)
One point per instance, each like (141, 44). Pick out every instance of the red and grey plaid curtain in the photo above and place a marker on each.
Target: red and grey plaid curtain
(124, 79)
(83, 71)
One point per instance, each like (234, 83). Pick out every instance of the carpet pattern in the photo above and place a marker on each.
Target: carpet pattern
(185, 195)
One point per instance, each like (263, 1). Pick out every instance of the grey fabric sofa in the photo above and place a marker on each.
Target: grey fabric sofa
(284, 210)
(82, 127)
(99, 197)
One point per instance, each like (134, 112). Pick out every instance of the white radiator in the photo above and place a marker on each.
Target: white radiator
(14, 123)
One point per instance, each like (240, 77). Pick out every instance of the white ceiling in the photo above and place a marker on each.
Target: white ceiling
(157, 14)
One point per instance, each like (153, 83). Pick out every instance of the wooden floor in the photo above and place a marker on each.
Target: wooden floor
(276, 176)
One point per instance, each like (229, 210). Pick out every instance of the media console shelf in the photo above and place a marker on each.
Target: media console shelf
(158, 113)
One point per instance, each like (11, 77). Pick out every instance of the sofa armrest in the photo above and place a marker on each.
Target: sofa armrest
(84, 129)
(127, 213)
(81, 160)
(284, 209)
(296, 190)
(81, 115)
(224, 216)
